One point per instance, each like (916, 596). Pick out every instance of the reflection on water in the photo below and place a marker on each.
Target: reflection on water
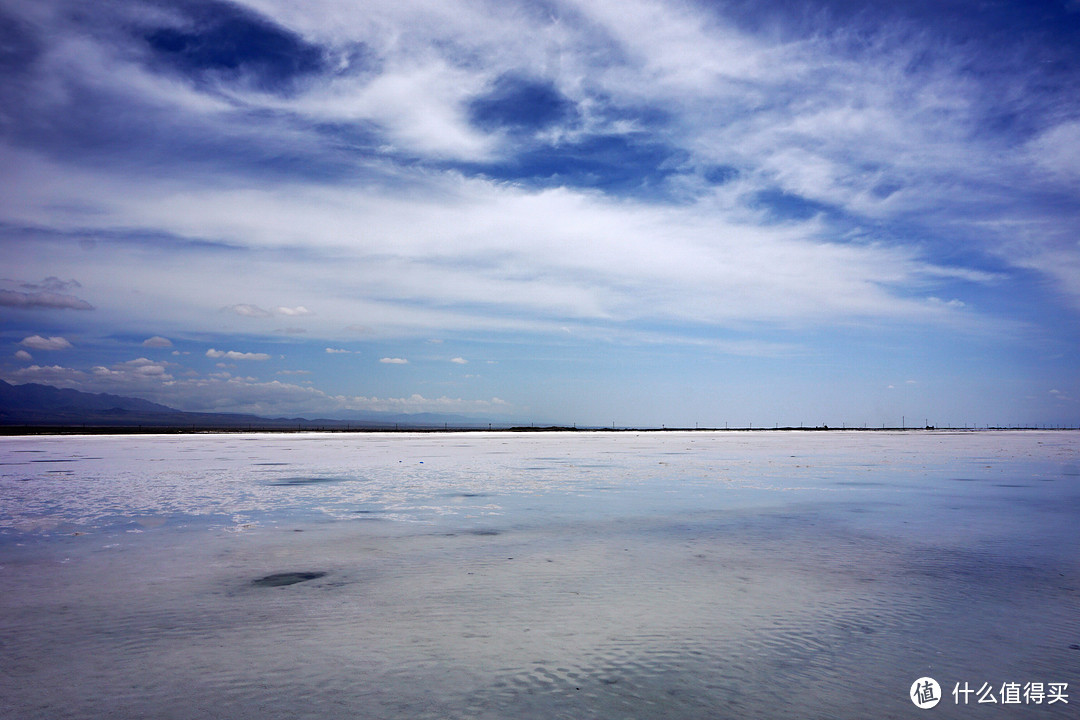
(657, 575)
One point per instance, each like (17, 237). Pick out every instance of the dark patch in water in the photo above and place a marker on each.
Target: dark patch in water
(304, 481)
(369, 514)
(54, 461)
(965, 479)
(470, 495)
(269, 463)
(484, 532)
(286, 578)
(1010, 485)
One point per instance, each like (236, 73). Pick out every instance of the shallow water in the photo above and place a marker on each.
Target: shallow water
(536, 575)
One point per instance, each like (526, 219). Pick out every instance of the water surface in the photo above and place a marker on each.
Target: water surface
(536, 575)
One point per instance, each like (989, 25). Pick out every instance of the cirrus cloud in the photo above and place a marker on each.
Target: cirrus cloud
(714, 178)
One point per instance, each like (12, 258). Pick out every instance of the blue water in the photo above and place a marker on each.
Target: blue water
(537, 575)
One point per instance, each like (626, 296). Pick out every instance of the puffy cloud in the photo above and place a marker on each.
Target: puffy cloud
(235, 355)
(42, 300)
(49, 374)
(36, 342)
(337, 351)
(297, 311)
(394, 361)
(459, 361)
(140, 377)
(146, 367)
(23, 355)
(134, 373)
(157, 342)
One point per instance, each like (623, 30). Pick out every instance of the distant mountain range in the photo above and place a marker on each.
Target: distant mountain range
(37, 405)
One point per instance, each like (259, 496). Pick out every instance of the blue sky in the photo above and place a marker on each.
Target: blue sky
(633, 211)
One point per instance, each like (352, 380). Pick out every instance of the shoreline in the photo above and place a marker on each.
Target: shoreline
(277, 429)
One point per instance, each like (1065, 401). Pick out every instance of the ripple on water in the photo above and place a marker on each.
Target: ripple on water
(304, 480)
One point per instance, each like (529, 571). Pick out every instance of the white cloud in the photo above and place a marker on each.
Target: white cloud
(1057, 150)
(246, 310)
(297, 311)
(36, 342)
(50, 374)
(452, 253)
(137, 375)
(254, 311)
(337, 351)
(10, 298)
(157, 342)
(459, 361)
(954, 303)
(53, 284)
(23, 355)
(448, 261)
(234, 355)
(394, 361)
(146, 368)
(223, 392)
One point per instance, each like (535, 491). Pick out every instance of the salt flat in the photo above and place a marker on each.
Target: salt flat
(497, 575)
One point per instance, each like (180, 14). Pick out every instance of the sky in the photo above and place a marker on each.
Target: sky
(630, 212)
